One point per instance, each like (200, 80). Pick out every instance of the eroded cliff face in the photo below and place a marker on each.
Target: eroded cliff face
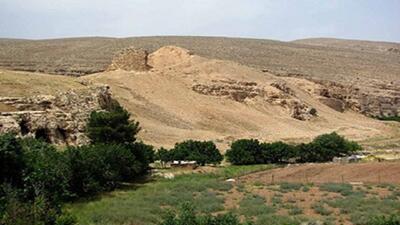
(376, 101)
(59, 119)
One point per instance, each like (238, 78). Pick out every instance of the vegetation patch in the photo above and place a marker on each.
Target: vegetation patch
(344, 189)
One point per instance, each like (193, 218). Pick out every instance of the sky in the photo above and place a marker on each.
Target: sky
(267, 19)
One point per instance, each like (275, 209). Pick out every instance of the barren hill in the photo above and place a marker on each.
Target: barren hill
(187, 96)
(79, 56)
(243, 89)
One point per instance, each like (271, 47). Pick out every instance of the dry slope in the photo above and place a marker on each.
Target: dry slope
(187, 96)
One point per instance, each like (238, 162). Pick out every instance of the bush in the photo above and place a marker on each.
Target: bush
(187, 216)
(245, 152)
(203, 152)
(100, 167)
(18, 210)
(277, 152)
(46, 171)
(322, 149)
(383, 220)
(11, 160)
(144, 155)
(113, 126)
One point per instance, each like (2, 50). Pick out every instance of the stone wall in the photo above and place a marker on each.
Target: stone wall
(59, 119)
(130, 59)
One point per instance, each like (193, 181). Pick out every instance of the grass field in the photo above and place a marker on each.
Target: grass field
(281, 203)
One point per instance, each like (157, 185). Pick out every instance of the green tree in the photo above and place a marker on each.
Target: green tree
(164, 155)
(244, 152)
(112, 127)
(46, 172)
(11, 160)
(203, 152)
(277, 152)
(100, 167)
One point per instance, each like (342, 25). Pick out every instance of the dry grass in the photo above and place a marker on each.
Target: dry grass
(346, 60)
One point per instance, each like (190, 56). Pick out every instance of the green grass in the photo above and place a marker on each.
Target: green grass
(144, 204)
(288, 187)
(320, 208)
(360, 209)
(344, 189)
(295, 210)
(254, 206)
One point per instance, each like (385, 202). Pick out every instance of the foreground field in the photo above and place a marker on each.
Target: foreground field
(251, 199)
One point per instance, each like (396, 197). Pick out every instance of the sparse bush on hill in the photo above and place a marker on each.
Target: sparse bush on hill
(322, 149)
(390, 118)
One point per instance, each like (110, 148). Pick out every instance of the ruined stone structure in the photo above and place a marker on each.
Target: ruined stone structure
(59, 119)
(130, 59)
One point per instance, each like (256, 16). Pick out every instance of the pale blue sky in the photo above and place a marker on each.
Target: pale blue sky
(270, 19)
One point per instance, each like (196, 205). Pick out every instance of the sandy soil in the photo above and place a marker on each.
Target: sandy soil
(383, 172)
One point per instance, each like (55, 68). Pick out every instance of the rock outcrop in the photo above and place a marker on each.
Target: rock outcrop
(275, 94)
(379, 101)
(59, 119)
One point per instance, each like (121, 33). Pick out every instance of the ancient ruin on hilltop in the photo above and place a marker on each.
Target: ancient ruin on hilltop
(130, 59)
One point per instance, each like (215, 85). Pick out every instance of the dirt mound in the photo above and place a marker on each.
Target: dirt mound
(169, 56)
(384, 172)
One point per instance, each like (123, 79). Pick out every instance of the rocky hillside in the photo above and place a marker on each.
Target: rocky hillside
(184, 96)
(177, 94)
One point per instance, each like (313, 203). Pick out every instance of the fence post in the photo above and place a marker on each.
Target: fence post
(272, 179)
(342, 179)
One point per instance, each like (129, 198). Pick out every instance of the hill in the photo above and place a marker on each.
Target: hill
(314, 57)
(257, 93)
(185, 96)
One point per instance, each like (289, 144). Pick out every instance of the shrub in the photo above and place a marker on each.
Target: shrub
(245, 152)
(163, 155)
(325, 147)
(344, 189)
(46, 172)
(18, 210)
(384, 220)
(187, 216)
(203, 152)
(144, 155)
(277, 152)
(320, 209)
(112, 127)
(100, 167)
(11, 160)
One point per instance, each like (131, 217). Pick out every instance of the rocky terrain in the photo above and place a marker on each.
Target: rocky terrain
(59, 119)
(282, 93)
